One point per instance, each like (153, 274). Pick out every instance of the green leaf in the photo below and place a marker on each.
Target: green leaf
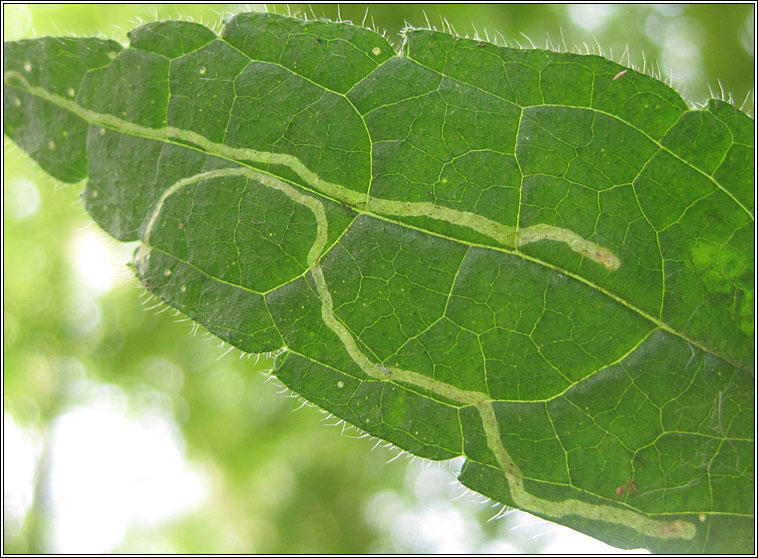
(540, 261)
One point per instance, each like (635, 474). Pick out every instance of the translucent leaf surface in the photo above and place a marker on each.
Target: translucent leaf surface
(540, 261)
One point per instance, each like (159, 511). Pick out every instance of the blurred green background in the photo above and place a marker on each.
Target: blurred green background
(126, 432)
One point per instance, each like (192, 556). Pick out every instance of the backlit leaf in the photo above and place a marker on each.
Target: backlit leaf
(543, 262)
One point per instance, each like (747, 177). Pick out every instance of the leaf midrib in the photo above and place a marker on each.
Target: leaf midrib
(136, 130)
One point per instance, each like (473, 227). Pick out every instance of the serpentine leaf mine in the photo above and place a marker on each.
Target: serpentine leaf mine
(540, 261)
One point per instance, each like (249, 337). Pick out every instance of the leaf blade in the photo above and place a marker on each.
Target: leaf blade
(419, 343)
